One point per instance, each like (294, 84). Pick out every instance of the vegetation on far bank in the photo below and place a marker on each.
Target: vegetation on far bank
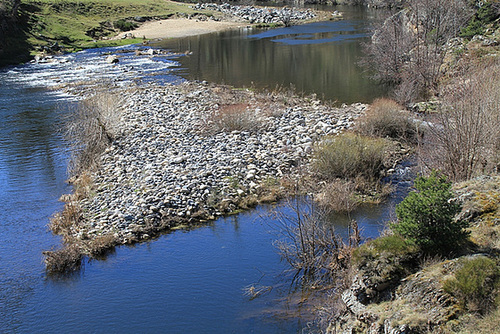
(70, 25)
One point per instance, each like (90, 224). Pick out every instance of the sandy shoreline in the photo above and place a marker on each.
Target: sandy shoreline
(181, 27)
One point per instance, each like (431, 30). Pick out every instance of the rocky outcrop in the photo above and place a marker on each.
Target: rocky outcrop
(417, 304)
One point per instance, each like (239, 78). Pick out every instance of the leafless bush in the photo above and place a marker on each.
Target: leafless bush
(312, 247)
(464, 139)
(91, 128)
(387, 118)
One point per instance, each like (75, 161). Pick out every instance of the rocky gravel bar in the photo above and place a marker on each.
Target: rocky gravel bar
(173, 161)
(266, 15)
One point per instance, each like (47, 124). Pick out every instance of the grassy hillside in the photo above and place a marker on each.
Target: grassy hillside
(75, 24)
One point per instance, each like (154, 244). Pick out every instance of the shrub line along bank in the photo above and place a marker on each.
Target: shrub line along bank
(194, 152)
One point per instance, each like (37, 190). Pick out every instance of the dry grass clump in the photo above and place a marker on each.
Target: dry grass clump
(100, 245)
(90, 129)
(232, 117)
(70, 216)
(339, 196)
(63, 260)
(475, 324)
(387, 118)
(349, 156)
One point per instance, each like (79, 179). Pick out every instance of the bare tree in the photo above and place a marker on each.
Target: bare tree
(407, 49)
(465, 136)
(311, 245)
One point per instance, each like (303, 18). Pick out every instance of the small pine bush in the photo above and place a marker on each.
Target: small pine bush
(427, 217)
(485, 14)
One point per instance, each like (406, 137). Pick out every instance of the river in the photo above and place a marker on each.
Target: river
(185, 281)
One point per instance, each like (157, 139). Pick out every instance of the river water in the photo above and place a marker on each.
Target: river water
(185, 281)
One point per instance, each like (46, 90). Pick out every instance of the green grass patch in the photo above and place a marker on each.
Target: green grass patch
(110, 43)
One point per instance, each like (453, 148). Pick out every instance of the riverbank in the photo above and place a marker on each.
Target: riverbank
(50, 27)
(222, 17)
(189, 153)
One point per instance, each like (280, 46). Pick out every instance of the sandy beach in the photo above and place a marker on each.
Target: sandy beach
(173, 28)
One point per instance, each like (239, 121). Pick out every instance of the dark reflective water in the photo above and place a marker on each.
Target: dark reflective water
(319, 58)
(184, 282)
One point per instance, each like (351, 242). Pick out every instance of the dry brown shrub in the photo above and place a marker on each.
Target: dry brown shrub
(63, 260)
(70, 216)
(387, 118)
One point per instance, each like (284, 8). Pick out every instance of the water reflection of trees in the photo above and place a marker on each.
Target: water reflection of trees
(327, 69)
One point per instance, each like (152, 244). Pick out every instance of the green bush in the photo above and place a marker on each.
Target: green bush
(385, 118)
(427, 217)
(475, 284)
(125, 25)
(350, 156)
(485, 14)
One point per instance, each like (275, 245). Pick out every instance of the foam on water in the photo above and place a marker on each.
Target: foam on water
(91, 65)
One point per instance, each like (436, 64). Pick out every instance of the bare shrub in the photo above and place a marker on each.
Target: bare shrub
(91, 128)
(464, 139)
(311, 246)
(349, 156)
(63, 260)
(387, 118)
(232, 117)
